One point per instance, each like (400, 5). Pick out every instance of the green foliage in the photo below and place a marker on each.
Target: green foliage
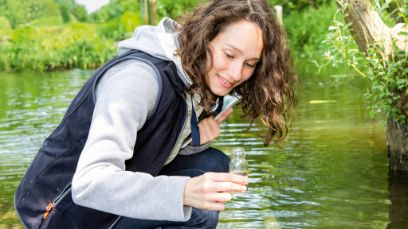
(22, 12)
(66, 17)
(47, 21)
(57, 40)
(49, 48)
(51, 42)
(70, 10)
(299, 5)
(122, 27)
(388, 80)
(3, 7)
(307, 30)
(80, 13)
(170, 9)
(392, 10)
(4, 23)
(114, 10)
(388, 76)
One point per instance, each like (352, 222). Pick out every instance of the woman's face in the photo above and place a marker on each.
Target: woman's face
(235, 51)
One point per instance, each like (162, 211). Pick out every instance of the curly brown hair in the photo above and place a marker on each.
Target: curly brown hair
(268, 94)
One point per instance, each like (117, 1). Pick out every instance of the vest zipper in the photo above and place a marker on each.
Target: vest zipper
(56, 201)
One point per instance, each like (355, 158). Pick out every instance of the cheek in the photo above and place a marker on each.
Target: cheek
(247, 74)
(219, 63)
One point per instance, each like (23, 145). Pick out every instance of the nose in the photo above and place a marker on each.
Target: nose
(235, 71)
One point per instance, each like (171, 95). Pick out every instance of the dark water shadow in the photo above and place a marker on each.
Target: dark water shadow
(398, 188)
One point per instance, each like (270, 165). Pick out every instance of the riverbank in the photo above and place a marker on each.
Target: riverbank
(49, 44)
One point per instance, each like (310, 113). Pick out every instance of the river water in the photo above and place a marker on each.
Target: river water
(330, 173)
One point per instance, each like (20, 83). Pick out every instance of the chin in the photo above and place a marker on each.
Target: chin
(220, 92)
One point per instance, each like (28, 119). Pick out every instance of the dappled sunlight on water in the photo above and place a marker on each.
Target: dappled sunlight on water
(331, 171)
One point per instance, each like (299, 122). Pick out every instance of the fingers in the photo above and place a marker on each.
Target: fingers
(209, 130)
(229, 177)
(228, 187)
(224, 115)
(211, 190)
(219, 197)
(210, 127)
(215, 201)
(214, 206)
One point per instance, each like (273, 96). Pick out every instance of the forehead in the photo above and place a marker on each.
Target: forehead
(242, 35)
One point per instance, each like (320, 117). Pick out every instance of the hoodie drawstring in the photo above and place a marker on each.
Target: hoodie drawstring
(195, 129)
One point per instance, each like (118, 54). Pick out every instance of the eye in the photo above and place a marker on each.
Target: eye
(251, 65)
(229, 56)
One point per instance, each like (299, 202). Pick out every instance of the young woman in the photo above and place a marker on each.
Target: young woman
(122, 158)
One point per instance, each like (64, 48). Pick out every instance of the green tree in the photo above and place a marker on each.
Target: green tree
(69, 9)
(168, 8)
(3, 7)
(80, 13)
(299, 5)
(384, 52)
(115, 9)
(21, 12)
(65, 14)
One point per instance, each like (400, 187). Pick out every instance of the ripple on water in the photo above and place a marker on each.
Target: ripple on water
(330, 172)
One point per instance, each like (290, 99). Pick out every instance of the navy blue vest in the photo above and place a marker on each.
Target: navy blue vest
(43, 198)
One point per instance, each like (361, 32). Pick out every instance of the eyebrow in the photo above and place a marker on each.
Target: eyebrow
(240, 51)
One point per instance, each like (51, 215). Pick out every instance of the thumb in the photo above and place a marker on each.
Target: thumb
(224, 115)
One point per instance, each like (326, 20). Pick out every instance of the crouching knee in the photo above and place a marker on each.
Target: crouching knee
(204, 219)
(217, 160)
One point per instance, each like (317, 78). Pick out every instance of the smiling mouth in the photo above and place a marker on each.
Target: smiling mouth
(225, 83)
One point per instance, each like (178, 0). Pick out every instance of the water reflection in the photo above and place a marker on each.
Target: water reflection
(398, 187)
(31, 105)
(331, 172)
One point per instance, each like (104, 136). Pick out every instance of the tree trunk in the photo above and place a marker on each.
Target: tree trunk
(398, 191)
(397, 142)
(369, 30)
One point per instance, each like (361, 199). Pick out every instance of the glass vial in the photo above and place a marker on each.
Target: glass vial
(238, 164)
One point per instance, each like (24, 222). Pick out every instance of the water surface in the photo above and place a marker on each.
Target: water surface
(331, 171)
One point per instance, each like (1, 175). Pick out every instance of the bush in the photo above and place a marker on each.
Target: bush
(4, 23)
(307, 29)
(169, 9)
(115, 9)
(47, 21)
(122, 27)
(48, 48)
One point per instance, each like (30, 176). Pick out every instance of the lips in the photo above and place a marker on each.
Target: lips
(225, 83)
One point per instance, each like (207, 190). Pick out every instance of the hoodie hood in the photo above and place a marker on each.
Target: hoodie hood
(160, 41)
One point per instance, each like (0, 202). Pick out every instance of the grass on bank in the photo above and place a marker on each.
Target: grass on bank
(45, 45)
(49, 44)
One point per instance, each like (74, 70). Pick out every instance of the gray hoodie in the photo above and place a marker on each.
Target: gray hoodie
(126, 98)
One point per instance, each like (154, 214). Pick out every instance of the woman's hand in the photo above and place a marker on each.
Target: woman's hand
(210, 127)
(211, 190)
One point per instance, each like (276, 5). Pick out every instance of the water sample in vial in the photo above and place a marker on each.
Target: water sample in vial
(238, 164)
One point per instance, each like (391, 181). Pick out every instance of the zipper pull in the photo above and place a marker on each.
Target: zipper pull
(49, 207)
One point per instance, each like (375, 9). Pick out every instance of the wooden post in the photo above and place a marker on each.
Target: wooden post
(152, 12)
(278, 10)
(144, 8)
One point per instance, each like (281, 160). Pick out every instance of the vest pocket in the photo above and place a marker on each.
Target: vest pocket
(50, 209)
